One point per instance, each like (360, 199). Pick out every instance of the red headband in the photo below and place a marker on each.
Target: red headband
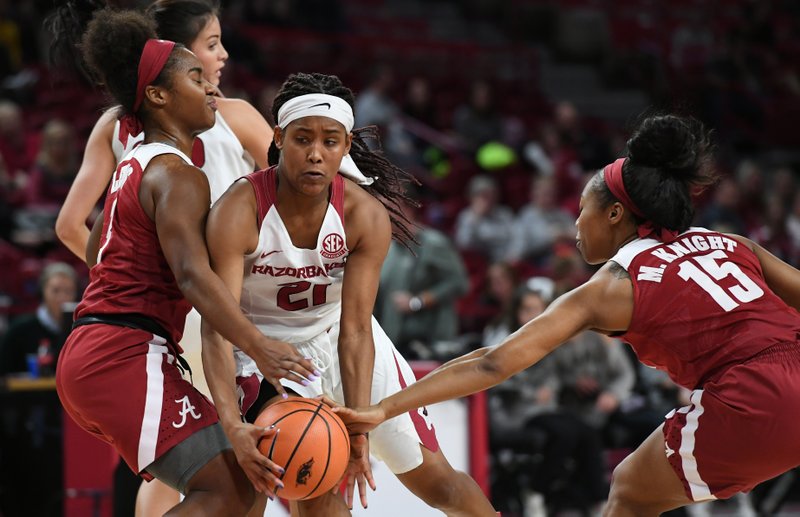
(154, 56)
(612, 174)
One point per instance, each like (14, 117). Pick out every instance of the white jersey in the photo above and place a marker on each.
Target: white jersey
(217, 152)
(289, 293)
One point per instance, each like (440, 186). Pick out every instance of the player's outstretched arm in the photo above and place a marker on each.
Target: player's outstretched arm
(484, 368)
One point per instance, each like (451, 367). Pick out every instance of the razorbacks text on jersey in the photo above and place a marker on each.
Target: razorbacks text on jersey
(701, 305)
(289, 293)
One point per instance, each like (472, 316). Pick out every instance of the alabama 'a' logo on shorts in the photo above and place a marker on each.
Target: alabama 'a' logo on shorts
(187, 409)
(333, 246)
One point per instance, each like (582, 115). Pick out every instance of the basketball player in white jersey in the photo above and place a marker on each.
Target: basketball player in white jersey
(302, 247)
(236, 145)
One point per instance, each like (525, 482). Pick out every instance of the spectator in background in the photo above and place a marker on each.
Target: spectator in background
(478, 121)
(419, 103)
(593, 151)
(722, 214)
(55, 167)
(540, 224)
(374, 106)
(772, 234)
(750, 178)
(484, 225)
(42, 333)
(419, 288)
(17, 147)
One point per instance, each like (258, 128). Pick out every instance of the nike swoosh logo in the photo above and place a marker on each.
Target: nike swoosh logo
(265, 255)
(322, 104)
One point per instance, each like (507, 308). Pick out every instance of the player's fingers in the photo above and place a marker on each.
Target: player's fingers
(302, 367)
(362, 491)
(270, 466)
(291, 376)
(279, 387)
(370, 479)
(327, 401)
(349, 492)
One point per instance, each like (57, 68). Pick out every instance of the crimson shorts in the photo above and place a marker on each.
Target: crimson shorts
(741, 429)
(124, 386)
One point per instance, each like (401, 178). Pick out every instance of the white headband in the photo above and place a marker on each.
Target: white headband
(323, 105)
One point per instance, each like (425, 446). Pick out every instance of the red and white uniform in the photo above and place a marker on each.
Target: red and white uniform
(217, 152)
(123, 384)
(704, 314)
(295, 295)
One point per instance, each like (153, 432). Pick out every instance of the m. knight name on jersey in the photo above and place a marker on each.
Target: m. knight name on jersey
(680, 248)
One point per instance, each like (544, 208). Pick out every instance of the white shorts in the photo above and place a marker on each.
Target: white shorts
(396, 442)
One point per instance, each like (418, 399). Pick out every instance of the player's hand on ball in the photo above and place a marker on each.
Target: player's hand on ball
(358, 420)
(278, 360)
(260, 470)
(358, 470)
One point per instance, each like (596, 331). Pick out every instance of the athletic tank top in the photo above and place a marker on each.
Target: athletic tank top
(701, 305)
(289, 293)
(131, 275)
(217, 152)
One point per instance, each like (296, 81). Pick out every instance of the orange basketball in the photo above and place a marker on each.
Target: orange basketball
(312, 445)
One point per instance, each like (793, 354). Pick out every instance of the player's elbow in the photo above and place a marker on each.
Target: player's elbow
(66, 229)
(493, 369)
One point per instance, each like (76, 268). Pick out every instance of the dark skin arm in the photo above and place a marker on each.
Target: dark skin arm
(176, 196)
(93, 244)
(231, 233)
(604, 303)
(369, 235)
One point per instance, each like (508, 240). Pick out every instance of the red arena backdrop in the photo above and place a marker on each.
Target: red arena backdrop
(461, 428)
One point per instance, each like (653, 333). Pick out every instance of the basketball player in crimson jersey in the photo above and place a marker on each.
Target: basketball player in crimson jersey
(118, 376)
(717, 312)
(302, 247)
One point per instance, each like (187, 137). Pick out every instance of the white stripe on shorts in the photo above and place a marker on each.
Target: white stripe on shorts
(698, 487)
(148, 438)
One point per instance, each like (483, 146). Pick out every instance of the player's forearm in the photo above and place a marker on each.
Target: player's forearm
(215, 303)
(458, 378)
(356, 363)
(220, 372)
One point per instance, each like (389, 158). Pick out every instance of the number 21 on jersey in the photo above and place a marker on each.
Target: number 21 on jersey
(709, 269)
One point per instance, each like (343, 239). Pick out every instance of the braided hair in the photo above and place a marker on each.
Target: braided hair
(390, 187)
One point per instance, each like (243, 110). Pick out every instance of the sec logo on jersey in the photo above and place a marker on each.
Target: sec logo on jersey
(333, 246)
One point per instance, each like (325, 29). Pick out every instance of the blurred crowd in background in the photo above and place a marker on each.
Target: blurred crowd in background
(502, 110)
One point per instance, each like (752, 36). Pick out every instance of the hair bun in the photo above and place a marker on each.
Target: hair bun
(669, 143)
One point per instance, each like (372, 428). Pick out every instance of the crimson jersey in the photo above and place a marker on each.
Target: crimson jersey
(701, 305)
(132, 276)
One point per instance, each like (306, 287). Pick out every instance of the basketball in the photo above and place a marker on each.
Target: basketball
(312, 445)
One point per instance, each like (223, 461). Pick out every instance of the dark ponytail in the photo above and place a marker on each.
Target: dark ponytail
(391, 181)
(67, 23)
(669, 160)
(175, 20)
(182, 20)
